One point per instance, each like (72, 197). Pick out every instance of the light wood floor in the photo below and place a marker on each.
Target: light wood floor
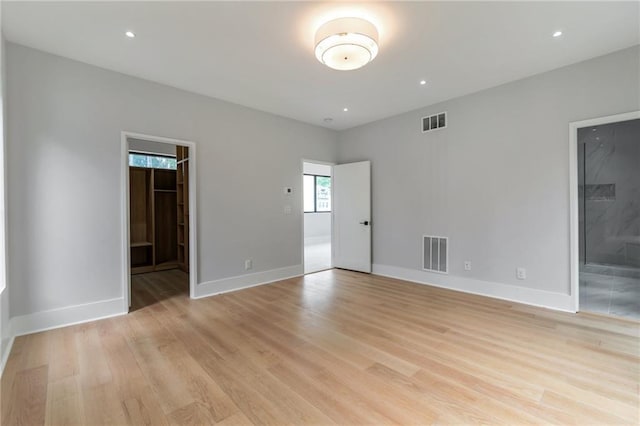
(334, 347)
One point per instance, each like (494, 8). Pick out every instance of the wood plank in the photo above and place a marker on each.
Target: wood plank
(64, 402)
(27, 398)
(93, 367)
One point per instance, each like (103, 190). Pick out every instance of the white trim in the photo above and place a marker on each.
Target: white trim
(317, 240)
(152, 154)
(6, 338)
(526, 295)
(62, 317)
(226, 285)
(574, 220)
(4, 356)
(193, 255)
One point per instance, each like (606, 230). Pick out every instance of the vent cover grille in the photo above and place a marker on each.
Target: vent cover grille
(434, 122)
(435, 254)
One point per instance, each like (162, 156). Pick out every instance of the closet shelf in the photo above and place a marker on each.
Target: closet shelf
(141, 244)
(182, 204)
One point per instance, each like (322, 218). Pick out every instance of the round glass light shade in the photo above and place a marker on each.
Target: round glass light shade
(346, 43)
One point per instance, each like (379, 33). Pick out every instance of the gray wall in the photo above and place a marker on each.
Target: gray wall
(65, 188)
(610, 208)
(151, 147)
(496, 179)
(5, 334)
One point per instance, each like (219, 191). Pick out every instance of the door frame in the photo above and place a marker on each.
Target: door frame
(574, 210)
(125, 219)
(324, 163)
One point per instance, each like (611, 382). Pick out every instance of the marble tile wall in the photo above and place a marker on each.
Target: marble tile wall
(609, 179)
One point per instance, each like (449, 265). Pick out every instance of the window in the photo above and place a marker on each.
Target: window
(137, 159)
(317, 194)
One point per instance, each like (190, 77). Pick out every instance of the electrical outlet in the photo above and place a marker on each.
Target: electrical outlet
(287, 209)
(467, 265)
(248, 264)
(521, 273)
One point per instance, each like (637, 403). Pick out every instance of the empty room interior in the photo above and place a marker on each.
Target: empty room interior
(231, 212)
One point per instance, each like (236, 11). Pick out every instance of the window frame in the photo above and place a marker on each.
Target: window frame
(315, 193)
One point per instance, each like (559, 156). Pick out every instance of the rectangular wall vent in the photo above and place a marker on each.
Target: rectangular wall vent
(434, 122)
(435, 254)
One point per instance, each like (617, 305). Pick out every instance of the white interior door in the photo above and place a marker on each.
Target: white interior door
(352, 216)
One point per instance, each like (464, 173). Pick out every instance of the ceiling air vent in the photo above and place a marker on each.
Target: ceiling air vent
(434, 122)
(435, 254)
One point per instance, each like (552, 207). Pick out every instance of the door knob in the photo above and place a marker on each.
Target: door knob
(365, 223)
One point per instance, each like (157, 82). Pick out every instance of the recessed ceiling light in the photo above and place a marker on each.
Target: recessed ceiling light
(423, 82)
(130, 34)
(345, 109)
(557, 34)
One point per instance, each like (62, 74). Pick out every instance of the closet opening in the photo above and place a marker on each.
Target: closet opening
(159, 222)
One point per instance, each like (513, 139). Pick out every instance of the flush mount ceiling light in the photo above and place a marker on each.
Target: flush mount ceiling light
(346, 43)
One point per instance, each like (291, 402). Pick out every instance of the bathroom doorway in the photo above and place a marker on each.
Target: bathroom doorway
(608, 183)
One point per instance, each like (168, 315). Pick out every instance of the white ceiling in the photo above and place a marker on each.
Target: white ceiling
(260, 54)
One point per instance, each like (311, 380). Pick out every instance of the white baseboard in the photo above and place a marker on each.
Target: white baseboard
(240, 282)
(323, 239)
(62, 317)
(526, 295)
(4, 355)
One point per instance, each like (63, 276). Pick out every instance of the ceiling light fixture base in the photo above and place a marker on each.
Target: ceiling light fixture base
(346, 43)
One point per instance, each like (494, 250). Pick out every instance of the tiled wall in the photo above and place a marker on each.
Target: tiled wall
(609, 178)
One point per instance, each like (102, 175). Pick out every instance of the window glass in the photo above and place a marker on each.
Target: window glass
(317, 193)
(323, 194)
(152, 161)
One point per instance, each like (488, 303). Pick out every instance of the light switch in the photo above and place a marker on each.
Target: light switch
(287, 209)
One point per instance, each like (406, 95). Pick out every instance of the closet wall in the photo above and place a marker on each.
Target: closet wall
(154, 219)
(182, 186)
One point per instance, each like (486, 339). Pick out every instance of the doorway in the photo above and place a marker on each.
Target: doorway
(317, 203)
(607, 155)
(158, 220)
